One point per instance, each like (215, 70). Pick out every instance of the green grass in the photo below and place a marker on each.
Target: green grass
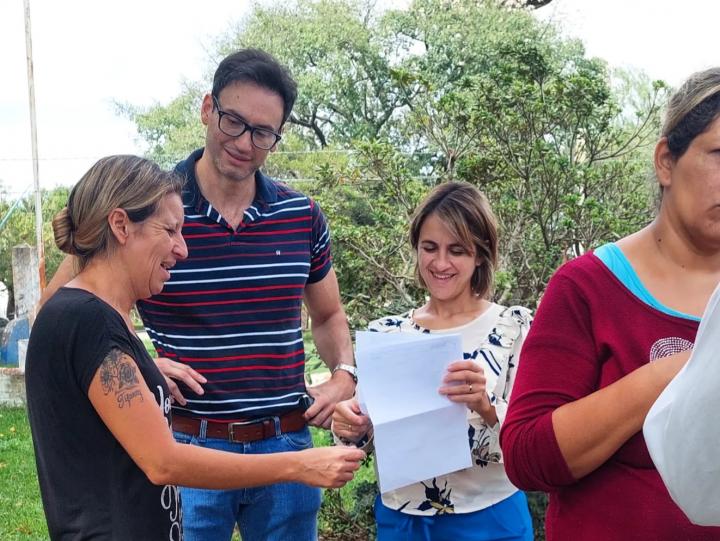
(21, 513)
(346, 513)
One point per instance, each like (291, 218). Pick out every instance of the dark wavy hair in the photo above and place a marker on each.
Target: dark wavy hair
(261, 68)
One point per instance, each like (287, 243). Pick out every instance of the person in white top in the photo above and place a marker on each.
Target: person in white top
(454, 234)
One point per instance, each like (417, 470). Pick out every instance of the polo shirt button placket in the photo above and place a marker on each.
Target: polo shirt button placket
(232, 237)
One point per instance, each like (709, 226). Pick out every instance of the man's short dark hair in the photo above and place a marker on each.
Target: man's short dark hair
(261, 68)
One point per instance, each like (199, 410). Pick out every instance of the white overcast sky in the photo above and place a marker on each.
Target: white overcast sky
(89, 54)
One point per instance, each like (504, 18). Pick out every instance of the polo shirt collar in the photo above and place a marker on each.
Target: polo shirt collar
(265, 189)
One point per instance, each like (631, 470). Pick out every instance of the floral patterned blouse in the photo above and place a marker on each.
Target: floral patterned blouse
(493, 340)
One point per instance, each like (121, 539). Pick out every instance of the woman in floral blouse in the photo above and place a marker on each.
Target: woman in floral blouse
(454, 235)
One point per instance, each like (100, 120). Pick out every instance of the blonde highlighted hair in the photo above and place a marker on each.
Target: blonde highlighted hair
(131, 183)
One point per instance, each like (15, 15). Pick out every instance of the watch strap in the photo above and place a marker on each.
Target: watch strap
(350, 369)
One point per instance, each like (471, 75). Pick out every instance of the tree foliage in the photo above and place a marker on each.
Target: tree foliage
(339, 60)
(564, 169)
(169, 130)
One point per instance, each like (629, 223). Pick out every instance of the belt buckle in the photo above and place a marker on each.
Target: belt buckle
(231, 426)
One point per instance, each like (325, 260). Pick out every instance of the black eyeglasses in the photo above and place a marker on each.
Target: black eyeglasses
(234, 126)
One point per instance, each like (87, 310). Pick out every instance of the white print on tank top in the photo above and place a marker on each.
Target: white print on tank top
(170, 500)
(170, 497)
(165, 404)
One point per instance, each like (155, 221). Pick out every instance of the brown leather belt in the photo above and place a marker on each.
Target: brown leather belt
(243, 431)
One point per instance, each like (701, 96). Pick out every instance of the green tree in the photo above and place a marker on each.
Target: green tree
(169, 131)
(369, 203)
(339, 59)
(19, 228)
(564, 167)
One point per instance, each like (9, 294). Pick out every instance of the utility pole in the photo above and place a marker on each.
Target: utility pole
(33, 135)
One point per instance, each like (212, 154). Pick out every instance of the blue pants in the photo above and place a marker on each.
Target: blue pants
(280, 512)
(507, 520)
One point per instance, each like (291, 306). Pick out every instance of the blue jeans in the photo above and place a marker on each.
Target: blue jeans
(507, 520)
(280, 512)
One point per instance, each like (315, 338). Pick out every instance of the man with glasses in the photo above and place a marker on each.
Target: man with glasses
(227, 325)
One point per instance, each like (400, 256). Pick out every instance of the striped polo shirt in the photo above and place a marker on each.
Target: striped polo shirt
(232, 309)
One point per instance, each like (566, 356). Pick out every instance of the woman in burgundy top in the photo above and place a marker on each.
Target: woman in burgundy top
(613, 328)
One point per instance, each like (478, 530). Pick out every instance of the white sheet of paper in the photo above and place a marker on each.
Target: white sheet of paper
(400, 375)
(681, 429)
(365, 340)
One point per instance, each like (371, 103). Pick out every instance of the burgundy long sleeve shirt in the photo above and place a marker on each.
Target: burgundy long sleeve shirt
(590, 331)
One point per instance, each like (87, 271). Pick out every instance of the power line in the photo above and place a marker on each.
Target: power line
(348, 152)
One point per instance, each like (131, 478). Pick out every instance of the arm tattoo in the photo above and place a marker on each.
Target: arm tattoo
(118, 376)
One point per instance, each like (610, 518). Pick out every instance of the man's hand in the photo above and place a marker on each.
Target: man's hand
(173, 370)
(332, 340)
(340, 387)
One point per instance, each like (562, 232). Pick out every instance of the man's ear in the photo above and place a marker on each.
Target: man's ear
(280, 131)
(119, 225)
(206, 109)
(664, 162)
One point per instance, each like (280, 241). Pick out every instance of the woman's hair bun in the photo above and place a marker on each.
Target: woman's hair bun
(63, 232)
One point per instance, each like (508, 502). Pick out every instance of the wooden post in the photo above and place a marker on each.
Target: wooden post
(26, 281)
(39, 268)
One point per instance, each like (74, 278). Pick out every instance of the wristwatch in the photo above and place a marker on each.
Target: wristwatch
(350, 369)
